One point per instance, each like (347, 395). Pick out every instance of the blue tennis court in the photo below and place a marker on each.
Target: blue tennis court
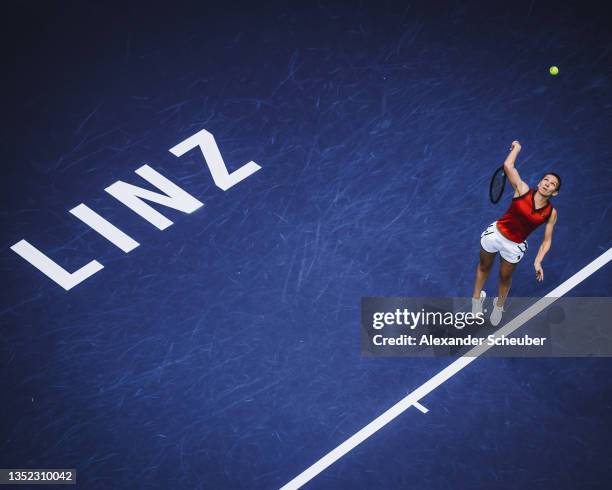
(222, 350)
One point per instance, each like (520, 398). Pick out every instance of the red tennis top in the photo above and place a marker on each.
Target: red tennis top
(522, 217)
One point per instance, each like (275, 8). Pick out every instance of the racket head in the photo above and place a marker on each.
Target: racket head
(497, 185)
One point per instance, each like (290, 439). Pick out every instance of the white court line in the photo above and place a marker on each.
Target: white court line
(449, 371)
(420, 407)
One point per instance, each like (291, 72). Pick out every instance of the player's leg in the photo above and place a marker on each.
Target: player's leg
(506, 269)
(485, 264)
(489, 246)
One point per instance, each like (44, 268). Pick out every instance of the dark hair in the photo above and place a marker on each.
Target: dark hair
(556, 176)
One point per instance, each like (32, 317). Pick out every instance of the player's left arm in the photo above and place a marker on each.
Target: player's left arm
(545, 247)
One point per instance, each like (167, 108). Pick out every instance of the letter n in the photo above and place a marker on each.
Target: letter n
(132, 196)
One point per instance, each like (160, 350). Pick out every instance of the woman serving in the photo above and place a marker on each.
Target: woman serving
(507, 236)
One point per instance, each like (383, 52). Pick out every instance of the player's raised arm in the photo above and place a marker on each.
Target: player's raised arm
(520, 187)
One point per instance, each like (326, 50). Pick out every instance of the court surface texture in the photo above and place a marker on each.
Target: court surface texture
(223, 352)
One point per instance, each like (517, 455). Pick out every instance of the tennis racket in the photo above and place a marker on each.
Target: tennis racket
(497, 185)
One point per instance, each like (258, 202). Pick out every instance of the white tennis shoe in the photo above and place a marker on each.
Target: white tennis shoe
(496, 314)
(478, 302)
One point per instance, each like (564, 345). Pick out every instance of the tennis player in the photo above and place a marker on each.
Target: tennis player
(507, 236)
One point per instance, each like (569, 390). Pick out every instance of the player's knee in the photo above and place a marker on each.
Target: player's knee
(505, 276)
(484, 267)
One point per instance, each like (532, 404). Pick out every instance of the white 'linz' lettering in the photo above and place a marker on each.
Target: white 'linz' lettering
(104, 228)
(214, 160)
(133, 197)
(51, 269)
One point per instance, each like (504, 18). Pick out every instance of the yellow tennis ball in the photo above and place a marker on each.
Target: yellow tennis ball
(553, 70)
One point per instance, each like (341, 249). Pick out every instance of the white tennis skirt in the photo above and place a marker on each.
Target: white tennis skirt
(493, 241)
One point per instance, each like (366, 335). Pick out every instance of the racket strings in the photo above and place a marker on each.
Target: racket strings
(498, 183)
